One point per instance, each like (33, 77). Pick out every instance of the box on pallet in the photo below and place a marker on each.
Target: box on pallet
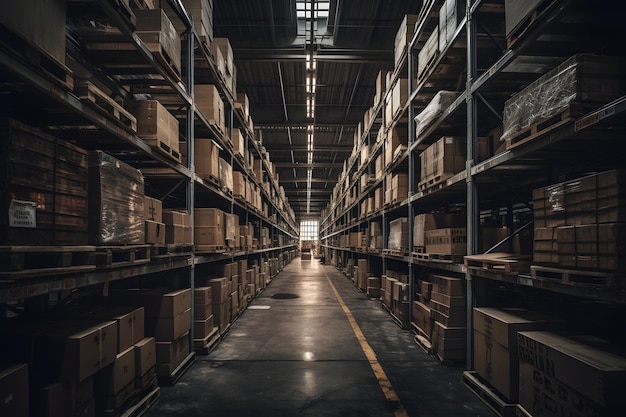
(441, 160)
(156, 30)
(210, 104)
(156, 125)
(403, 36)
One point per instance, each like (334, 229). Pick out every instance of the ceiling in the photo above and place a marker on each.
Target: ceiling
(352, 44)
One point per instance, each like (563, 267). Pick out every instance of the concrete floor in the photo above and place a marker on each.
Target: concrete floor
(293, 352)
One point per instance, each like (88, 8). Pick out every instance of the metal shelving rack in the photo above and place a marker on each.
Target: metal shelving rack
(488, 72)
(164, 174)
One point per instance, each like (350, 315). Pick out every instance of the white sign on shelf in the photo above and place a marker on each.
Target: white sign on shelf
(22, 214)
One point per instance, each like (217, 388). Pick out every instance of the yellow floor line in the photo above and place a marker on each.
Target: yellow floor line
(381, 376)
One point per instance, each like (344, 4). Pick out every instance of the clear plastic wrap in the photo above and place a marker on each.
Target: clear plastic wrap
(398, 234)
(440, 102)
(116, 201)
(226, 174)
(581, 78)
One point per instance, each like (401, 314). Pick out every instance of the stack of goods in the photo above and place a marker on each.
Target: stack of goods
(581, 82)
(449, 314)
(440, 102)
(168, 319)
(376, 237)
(398, 235)
(580, 224)
(210, 104)
(206, 159)
(226, 175)
(177, 226)
(156, 30)
(496, 344)
(155, 228)
(441, 160)
(203, 325)
(373, 287)
(209, 229)
(220, 291)
(361, 277)
(43, 187)
(116, 201)
(156, 126)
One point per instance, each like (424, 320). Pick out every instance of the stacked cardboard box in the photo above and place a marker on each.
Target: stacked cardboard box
(210, 104)
(155, 228)
(441, 160)
(381, 87)
(449, 313)
(428, 53)
(361, 277)
(221, 292)
(496, 344)
(177, 226)
(208, 228)
(373, 287)
(201, 12)
(572, 374)
(116, 201)
(156, 30)
(403, 36)
(203, 324)
(580, 224)
(398, 235)
(376, 236)
(44, 188)
(156, 125)
(238, 143)
(395, 143)
(425, 222)
(450, 15)
(223, 54)
(447, 241)
(168, 320)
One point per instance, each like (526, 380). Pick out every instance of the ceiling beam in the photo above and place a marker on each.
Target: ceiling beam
(303, 165)
(288, 148)
(301, 180)
(353, 56)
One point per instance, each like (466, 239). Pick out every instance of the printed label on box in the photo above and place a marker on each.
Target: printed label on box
(22, 214)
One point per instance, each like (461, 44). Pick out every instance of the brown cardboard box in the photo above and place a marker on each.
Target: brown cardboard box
(495, 344)
(209, 217)
(220, 289)
(130, 323)
(206, 158)
(449, 241)
(404, 36)
(422, 318)
(76, 349)
(169, 304)
(210, 104)
(153, 209)
(14, 391)
(155, 232)
(114, 379)
(581, 362)
(450, 286)
(166, 329)
(202, 295)
(155, 28)
(203, 328)
(202, 311)
(177, 226)
(155, 124)
(428, 52)
(209, 235)
(62, 399)
(145, 356)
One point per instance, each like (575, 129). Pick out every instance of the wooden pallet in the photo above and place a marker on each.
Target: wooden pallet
(578, 276)
(506, 263)
(30, 261)
(38, 60)
(211, 180)
(206, 345)
(164, 59)
(163, 148)
(421, 339)
(435, 181)
(172, 379)
(499, 405)
(105, 105)
(211, 248)
(170, 250)
(437, 257)
(119, 256)
(395, 252)
(131, 401)
(548, 124)
(529, 22)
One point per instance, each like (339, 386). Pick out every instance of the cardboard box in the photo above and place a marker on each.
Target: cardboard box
(62, 399)
(210, 104)
(145, 356)
(209, 217)
(449, 241)
(203, 295)
(206, 159)
(403, 36)
(209, 235)
(130, 323)
(114, 379)
(155, 232)
(169, 304)
(155, 124)
(166, 329)
(583, 363)
(73, 350)
(422, 318)
(14, 391)
(203, 328)
(202, 311)
(220, 289)
(153, 209)
(495, 344)
(443, 158)
(428, 53)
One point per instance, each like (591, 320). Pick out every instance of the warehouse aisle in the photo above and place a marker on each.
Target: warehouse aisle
(294, 352)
